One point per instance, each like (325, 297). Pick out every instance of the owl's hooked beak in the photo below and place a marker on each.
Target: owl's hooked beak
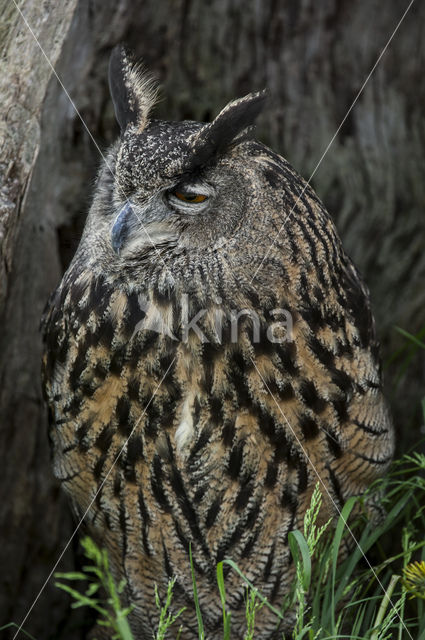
(122, 226)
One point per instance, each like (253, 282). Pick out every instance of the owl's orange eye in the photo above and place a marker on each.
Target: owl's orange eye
(190, 197)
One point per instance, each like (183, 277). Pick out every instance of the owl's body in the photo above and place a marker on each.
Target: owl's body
(225, 427)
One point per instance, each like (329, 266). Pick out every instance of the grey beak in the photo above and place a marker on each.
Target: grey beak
(122, 225)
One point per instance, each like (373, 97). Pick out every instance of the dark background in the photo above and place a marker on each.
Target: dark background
(313, 56)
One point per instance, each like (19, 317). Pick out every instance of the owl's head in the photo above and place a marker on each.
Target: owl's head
(180, 185)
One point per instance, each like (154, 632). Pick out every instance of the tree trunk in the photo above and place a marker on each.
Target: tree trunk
(34, 518)
(313, 57)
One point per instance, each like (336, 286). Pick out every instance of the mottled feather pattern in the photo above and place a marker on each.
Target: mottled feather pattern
(226, 436)
(134, 89)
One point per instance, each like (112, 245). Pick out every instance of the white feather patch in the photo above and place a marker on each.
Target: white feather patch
(186, 428)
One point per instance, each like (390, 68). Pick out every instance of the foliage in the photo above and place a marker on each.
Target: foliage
(367, 596)
(98, 575)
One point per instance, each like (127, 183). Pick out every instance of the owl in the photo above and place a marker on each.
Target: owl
(210, 356)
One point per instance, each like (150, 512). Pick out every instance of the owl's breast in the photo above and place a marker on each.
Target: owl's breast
(167, 436)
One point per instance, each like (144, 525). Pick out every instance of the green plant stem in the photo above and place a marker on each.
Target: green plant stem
(384, 606)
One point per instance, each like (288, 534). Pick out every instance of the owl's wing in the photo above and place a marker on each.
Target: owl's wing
(327, 388)
(53, 330)
(358, 305)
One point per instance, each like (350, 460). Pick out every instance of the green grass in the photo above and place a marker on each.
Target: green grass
(166, 619)
(97, 575)
(381, 599)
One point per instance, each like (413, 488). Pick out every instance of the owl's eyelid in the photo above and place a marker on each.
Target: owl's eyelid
(187, 206)
(176, 196)
(193, 188)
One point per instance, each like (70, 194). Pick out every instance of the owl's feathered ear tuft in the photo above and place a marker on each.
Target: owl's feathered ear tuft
(134, 91)
(227, 128)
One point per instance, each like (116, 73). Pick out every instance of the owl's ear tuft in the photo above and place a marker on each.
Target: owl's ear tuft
(134, 91)
(228, 127)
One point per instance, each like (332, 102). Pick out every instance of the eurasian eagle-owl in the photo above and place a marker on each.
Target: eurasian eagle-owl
(211, 329)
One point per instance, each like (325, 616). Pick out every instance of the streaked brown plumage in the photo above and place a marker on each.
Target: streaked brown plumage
(220, 431)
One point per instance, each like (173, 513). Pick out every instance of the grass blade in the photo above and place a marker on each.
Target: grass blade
(201, 632)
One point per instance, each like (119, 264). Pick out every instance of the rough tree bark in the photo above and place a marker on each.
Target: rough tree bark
(313, 57)
(33, 517)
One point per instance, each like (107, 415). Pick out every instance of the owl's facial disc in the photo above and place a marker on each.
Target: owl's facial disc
(168, 173)
(139, 226)
(137, 229)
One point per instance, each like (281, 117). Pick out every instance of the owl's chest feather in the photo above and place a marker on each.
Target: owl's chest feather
(167, 438)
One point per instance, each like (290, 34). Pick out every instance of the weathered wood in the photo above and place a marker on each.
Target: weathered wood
(33, 516)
